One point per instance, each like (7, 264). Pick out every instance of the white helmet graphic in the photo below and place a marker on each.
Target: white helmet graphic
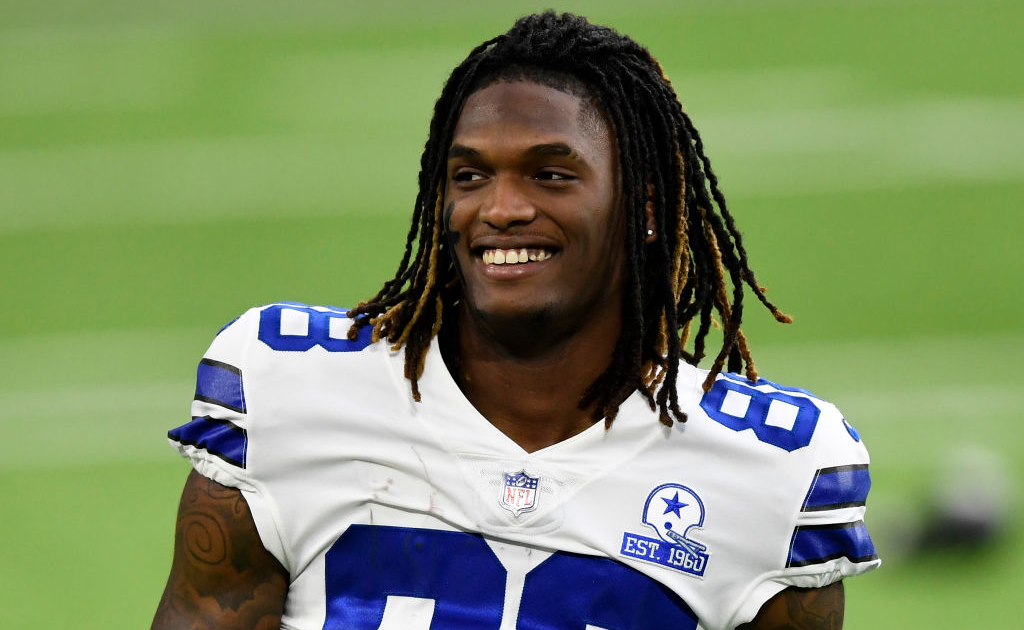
(672, 510)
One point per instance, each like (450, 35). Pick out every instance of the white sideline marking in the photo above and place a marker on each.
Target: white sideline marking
(72, 426)
(811, 149)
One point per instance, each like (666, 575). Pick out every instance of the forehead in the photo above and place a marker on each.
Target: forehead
(532, 108)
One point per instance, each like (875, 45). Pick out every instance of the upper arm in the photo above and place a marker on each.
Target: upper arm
(802, 609)
(221, 575)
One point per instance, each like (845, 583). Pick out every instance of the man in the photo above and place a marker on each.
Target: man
(479, 445)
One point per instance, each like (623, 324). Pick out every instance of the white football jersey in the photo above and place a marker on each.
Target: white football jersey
(392, 514)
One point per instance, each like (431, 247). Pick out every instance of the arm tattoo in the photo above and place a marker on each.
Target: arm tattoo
(221, 576)
(814, 609)
(802, 609)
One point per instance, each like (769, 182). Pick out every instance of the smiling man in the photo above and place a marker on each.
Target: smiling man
(513, 432)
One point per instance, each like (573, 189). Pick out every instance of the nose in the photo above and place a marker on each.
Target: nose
(507, 204)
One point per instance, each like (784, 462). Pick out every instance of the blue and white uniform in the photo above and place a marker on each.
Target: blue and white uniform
(392, 514)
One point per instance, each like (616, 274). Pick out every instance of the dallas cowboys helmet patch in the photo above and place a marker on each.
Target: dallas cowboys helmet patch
(672, 511)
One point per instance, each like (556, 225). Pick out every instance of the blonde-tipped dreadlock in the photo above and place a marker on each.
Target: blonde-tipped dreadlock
(697, 266)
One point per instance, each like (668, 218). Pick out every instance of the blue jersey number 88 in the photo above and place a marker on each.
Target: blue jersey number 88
(777, 418)
(384, 578)
(327, 329)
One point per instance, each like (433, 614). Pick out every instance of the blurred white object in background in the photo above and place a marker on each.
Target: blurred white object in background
(971, 504)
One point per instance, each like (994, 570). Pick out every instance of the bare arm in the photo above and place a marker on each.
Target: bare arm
(802, 609)
(221, 576)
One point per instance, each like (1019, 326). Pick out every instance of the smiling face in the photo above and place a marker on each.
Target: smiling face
(533, 210)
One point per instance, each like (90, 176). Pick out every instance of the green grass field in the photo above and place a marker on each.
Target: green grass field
(164, 168)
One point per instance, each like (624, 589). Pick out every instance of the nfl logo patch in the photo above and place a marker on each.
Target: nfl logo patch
(519, 492)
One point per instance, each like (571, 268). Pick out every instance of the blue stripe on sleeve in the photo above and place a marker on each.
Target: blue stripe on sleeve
(218, 437)
(838, 487)
(815, 544)
(220, 384)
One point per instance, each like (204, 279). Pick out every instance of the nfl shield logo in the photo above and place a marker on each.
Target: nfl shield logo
(519, 492)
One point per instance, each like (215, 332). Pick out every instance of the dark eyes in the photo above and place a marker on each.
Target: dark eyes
(554, 176)
(467, 176)
(470, 176)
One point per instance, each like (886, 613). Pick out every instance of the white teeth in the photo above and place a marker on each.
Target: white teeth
(514, 256)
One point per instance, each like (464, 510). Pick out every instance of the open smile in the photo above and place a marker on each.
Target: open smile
(522, 255)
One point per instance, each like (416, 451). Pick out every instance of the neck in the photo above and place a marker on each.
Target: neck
(526, 383)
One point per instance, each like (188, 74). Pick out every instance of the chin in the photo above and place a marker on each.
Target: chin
(515, 315)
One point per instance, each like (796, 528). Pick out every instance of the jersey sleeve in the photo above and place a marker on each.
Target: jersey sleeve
(829, 540)
(216, 439)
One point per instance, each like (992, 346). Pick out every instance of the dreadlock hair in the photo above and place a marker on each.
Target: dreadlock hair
(697, 267)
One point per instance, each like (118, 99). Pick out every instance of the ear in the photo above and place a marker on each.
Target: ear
(652, 224)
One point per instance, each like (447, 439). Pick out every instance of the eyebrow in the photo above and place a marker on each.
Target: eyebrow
(537, 150)
(462, 151)
(553, 148)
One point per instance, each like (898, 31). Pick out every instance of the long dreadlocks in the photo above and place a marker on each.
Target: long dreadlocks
(683, 277)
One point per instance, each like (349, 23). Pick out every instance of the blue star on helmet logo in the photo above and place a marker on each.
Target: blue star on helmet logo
(673, 505)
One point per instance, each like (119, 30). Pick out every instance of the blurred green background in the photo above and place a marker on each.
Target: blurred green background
(164, 166)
